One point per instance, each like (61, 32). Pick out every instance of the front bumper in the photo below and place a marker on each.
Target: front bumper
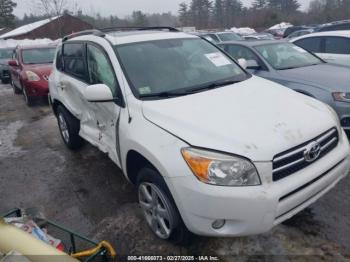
(256, 209)
(38, 88)
(343, 111)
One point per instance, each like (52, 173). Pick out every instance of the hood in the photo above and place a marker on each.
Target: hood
(326, 76)
(40, 69)
(255, 118)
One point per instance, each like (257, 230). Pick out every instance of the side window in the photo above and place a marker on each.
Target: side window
(312, 44)
(100, 69)
(213, 36)
(238, 52)
(59, 60)
(337, 45)
(73, 60)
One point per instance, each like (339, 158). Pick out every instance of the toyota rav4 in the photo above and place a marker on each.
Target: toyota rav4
(211, 149)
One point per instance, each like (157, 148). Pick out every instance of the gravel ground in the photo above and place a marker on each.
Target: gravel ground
(85, 191)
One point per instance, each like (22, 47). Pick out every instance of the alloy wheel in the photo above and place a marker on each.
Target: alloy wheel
(156, 210)
(63, 128)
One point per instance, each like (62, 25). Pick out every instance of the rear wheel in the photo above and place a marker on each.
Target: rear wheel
(69, 128)
(159, 208)
(16, 90)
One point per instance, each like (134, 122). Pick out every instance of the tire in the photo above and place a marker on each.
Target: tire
(150, 184)
(28, 99)
(16, 90)
(69, 128)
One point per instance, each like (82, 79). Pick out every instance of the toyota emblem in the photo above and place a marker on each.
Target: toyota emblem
(312, 151)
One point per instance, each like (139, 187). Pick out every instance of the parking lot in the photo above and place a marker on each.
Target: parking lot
(86, 192)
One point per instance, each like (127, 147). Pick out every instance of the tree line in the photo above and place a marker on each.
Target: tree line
(203, 14)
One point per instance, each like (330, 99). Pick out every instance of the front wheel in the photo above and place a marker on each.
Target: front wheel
(69, 128)
(27, 99)
(159, 208)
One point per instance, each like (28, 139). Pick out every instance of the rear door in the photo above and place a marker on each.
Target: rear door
(71, 80)
(337, 50)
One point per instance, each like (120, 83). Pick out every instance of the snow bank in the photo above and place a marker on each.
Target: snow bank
(283, 25)
(25, 42)
(243, 30)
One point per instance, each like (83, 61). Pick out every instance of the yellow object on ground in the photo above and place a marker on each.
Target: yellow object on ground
(12, 238)
(89, 252)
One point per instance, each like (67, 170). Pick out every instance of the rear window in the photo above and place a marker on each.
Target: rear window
(38, 56)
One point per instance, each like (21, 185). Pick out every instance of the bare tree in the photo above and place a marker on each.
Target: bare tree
(51, 8)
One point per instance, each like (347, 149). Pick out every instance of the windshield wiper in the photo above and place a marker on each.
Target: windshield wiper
(164, 94)
(213, 85)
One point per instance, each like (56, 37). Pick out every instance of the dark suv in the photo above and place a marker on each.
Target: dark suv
(5, 56)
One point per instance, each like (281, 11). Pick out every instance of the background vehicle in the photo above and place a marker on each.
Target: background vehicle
(5, 56)
(259, 36)
(335, 26)
(175, 113)
(218, 37)
(294, 67)
(30, 69)
(300, 33)
(293, 29)
(333, 46)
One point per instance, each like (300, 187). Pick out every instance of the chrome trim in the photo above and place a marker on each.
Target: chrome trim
(288, 165)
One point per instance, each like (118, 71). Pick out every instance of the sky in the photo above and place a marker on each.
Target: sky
(121, 8)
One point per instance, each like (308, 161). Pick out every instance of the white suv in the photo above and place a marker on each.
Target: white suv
(211, 148)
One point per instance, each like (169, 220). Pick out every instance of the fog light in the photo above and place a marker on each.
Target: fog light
(217, 224)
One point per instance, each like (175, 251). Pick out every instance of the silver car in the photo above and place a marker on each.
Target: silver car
(298, 69)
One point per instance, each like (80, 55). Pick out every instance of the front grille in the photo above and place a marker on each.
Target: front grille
(292, 160)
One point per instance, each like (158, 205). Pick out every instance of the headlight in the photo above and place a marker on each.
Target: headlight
(341, 96)
(32, 76)
(221, 169)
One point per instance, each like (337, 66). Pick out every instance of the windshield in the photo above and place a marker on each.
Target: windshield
(6, 53)
(286, 56)
(229, 37)
(175, 65)
(38, 56)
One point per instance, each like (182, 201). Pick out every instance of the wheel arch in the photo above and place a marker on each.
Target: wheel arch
(135, 161)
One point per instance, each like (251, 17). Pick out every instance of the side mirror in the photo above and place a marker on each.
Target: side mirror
(98, 93)
(243, 63)
(13, 62)
(253, 64)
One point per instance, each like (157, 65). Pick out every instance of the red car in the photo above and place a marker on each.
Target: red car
(30, 68)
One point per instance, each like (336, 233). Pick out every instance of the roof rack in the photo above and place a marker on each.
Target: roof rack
(101, 32)
(85, 32)
(138, 28)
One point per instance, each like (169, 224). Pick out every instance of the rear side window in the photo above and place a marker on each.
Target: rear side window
(74, 60)
(312, 44)
(337, 45)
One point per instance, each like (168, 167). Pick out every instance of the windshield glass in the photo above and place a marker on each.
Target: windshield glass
(38, 56)
(229, 37)
(6, 53)
(175, 65)
(286, 56)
